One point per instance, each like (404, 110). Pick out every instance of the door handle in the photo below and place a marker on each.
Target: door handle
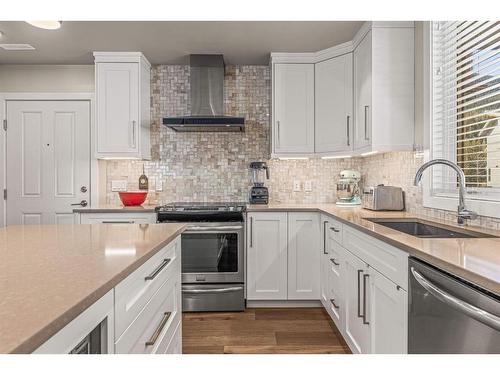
(82, 203)
(474, 312)
(158, 269)
(324, 237)
(359, 294)
(251, 231)
(215, 290)
(334, 262)
(133, 133)
(365, 277)
(278, 133)
(332, 301)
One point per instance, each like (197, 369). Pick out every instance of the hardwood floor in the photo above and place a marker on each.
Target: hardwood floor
(261, 331)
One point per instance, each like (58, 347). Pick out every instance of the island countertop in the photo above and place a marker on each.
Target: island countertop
(49, 274)
(474, 259)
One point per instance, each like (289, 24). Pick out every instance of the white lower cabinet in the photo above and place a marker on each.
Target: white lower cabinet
(363, 289)
(387, 314)
(283, 262)
(303, 256)
(267, 256)
(357, 329)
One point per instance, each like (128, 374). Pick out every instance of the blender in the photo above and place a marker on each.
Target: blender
(348, 188)
(259, 193)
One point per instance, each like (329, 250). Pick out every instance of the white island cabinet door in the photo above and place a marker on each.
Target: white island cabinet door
(293, 128)
(303, 256)
(267, 256)
(388, 315)
(334, 105)
(117, 92)
(357, 330)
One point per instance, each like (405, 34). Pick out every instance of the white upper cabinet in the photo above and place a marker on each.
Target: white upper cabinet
(293, 103)
(303, 255)
(384, 88)
(334, 105)
(122, 105)
(363, 92)
(359, 97)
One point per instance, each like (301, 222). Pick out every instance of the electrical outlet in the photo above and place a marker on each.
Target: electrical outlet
(159, 184)
(296, 185)
(119, 185)
(308, 185)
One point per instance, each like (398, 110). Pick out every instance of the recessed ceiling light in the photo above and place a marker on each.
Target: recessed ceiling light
(47, 25)
(17, 47)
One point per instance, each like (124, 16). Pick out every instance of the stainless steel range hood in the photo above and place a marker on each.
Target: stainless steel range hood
(207, 99)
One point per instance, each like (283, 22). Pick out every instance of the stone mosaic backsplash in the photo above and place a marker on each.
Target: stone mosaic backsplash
(215, 166)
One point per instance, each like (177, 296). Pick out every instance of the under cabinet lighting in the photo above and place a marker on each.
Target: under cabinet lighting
(369, 153)
(337, 157)
(292, 158)
(47, 25)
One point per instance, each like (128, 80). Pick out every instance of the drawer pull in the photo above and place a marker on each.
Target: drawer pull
(118, 222)
(156, 333)
(158, 269)
(334, 304)
(334, 262)
(335, 229)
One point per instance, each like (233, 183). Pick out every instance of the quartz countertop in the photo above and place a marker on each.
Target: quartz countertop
(474, 259)
(49, 274)
(115, 209)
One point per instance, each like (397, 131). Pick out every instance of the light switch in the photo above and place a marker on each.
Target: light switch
(296, 185)
(119, 185)
(308, 185)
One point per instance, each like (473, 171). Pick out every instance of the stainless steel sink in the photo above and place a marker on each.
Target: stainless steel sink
(426, 229)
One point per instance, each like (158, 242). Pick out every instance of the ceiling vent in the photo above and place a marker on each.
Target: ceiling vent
(17, 47)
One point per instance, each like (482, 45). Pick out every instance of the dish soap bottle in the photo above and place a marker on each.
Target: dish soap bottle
(143, 180)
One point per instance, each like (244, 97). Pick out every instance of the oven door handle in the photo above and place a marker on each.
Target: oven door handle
(215, 290)
(474, 312)
(218, 228)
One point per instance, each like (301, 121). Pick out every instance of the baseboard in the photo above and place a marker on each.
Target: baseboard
(284, 304)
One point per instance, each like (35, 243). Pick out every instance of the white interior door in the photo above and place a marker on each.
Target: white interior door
(47, 159)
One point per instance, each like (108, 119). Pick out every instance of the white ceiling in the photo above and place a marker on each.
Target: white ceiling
(168, 42)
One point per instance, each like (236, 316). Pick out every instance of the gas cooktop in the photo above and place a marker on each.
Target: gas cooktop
(200, 212)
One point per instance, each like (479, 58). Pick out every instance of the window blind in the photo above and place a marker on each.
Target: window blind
(466, 105)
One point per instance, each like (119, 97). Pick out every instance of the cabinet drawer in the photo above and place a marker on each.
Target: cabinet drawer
(118, 218)
(335, 229)
(175, 344)
(388, 260)
(152, 328)
(132, 294)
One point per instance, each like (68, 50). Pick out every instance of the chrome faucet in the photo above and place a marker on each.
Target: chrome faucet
(463, 212)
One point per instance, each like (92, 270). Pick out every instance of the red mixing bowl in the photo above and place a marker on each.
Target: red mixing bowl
(132, 198)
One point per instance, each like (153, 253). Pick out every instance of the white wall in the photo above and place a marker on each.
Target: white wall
(46, 78)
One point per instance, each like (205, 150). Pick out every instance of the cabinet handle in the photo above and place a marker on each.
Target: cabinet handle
(332, 301)
(324, 237)
(278, 133)
(359, 294)
(158, 269)
(348, 135)
(133, 133)
(117, 222)
(366, 123)
(365, 277)
(156, 333)
(335, 229)
(251, 231)
(334, 262)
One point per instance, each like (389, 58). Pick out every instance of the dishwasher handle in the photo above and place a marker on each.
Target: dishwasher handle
(474, 312)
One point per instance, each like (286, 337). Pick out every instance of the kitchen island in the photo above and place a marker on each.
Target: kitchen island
(50, 274)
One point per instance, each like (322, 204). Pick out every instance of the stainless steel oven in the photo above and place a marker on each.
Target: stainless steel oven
(213, 254)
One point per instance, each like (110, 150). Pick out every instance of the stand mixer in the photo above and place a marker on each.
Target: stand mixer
(348, 188)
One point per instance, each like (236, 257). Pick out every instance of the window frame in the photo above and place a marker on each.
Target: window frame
(481, 203)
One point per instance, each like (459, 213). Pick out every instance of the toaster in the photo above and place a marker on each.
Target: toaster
(383, 198)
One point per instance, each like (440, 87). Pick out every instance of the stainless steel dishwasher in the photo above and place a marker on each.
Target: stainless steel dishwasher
(449, 315)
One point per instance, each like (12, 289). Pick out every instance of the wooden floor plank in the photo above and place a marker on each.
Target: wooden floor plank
(283, 330)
